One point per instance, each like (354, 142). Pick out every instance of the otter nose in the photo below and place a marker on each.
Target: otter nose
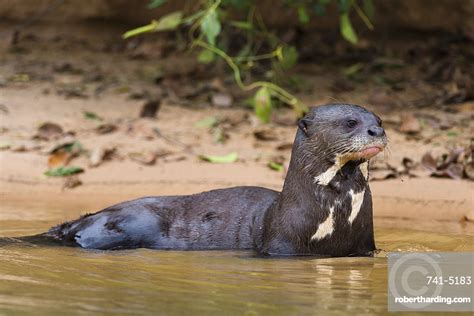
(376, 131)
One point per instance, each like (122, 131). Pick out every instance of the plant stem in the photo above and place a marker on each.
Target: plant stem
(277, 91)
(362, 15)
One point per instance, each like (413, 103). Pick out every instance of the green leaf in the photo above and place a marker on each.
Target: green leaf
(230, 158)
(155, 4)
(346, 29)
(75, 147)
(63, 171)
(303, 15)
(170, 21)
(207, 122)
(276, 166)
(167, 22)
(211, 27)
(206, 57)
(92, 116)
(263, 104)
(288, 56)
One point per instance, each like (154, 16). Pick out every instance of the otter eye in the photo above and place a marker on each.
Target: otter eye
(351, 123)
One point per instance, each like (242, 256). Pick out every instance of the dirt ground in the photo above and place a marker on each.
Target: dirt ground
(85, 80)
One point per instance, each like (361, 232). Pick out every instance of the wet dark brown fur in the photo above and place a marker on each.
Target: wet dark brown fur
(271, 222)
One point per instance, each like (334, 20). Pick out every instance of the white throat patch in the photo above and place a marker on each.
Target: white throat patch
(364, 168)
(326, 177)
(326, 228)
(357, 199)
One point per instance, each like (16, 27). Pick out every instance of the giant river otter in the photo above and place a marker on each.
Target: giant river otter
(325, 207)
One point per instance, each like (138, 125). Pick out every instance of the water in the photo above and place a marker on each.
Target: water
(59, 280)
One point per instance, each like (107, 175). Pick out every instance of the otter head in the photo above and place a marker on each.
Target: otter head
(335, 134)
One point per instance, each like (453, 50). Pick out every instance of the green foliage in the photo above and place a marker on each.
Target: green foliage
(75, 147)
(167, 22)
(276, 166)
(230, 158)
(211, 27)
(208, 19)
(207, 122)
(346, 29)
(263, 104)
(303, 15)
(206, 56)
(287, 56)
(63, 171)
(91, 116)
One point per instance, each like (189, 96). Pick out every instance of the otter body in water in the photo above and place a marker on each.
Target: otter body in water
(325, 207)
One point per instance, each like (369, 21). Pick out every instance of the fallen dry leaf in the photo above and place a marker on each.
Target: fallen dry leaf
(285, 146)
(429, 162)
(378, 175)
(470, 216)
(65, 141)
(467, 107)
(217, 84)
(144, 158)
(453, 156)
(234, 119)
(59, 159)
(453, 171)
(106, 128)
(456, 164)
(383, 170)
(71, 182)
(143, 130)
(49, 131)
(469, 170)
(265, 134)
(96, 157)
(70, 91)
(4, 109)
(408, 163)
(409, 124)
(150, 108)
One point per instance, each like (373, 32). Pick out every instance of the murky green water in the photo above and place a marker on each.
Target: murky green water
(63, 281)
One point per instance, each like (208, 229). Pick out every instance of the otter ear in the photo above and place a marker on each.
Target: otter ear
(303, 125)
